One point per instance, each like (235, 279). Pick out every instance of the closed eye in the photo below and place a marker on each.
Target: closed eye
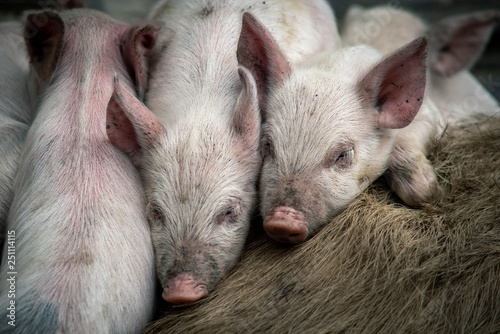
(340, 159)
(345, 155)
(228, 215)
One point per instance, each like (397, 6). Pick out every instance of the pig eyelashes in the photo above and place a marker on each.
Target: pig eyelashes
(340, 159)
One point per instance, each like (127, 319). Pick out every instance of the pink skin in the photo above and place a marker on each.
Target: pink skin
(90, 195)
(285, 224)
(184, 289)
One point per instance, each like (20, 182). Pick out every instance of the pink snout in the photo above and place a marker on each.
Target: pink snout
(286, 225)
(184, 289)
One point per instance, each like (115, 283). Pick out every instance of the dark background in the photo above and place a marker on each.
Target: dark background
(487, 70)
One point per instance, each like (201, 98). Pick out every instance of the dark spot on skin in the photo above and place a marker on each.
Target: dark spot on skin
(406, 101)
(445, 48)
(115, 124)
(108, 126)
(263, 2)
(207, 10)
(183, 198)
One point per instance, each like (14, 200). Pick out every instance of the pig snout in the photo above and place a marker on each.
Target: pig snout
(287, 225)
(184, 289)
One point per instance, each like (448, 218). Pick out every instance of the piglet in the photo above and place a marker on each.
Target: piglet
(79, 257)
(15, 112)
(331, 125)
(198, 147)
(455, 44)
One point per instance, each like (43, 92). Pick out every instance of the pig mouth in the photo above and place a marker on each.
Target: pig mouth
(286, 225)
(184, 289)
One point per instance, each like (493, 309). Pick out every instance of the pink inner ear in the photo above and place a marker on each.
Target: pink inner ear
(130, 125)
(457, 42)
(121, 131)
(397, 85)
(246, 120)
(259, 52)
(137, 42)
(43, 33)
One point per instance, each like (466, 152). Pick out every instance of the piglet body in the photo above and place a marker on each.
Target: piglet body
(200, 167)
(83, 254)
(455, 43)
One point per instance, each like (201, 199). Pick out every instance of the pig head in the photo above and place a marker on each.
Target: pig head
(199, 217)
(328, 125)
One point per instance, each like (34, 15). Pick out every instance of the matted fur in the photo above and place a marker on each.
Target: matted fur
(379, 266)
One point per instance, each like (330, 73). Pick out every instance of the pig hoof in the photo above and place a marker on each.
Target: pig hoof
(183, 289)
(286, 225)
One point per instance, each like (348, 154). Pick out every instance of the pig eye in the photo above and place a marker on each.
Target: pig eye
(340, 159)
(267, 147)
(228, 215)
(156, 216)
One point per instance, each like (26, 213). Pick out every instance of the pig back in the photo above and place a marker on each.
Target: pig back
(199, 62)
(84, 260)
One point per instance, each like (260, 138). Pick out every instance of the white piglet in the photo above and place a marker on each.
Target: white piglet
(455, 44)
(330, 128)
(83, 257)
(200, 166)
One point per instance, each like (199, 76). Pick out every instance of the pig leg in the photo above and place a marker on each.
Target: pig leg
(411, 174)
(412, 177)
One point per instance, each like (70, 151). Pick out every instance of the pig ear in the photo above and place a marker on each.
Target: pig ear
(258, 52)
(246, 120)
(136, 45)
(395, 87)
(130, 125)
(43, 33)
(457, 42)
